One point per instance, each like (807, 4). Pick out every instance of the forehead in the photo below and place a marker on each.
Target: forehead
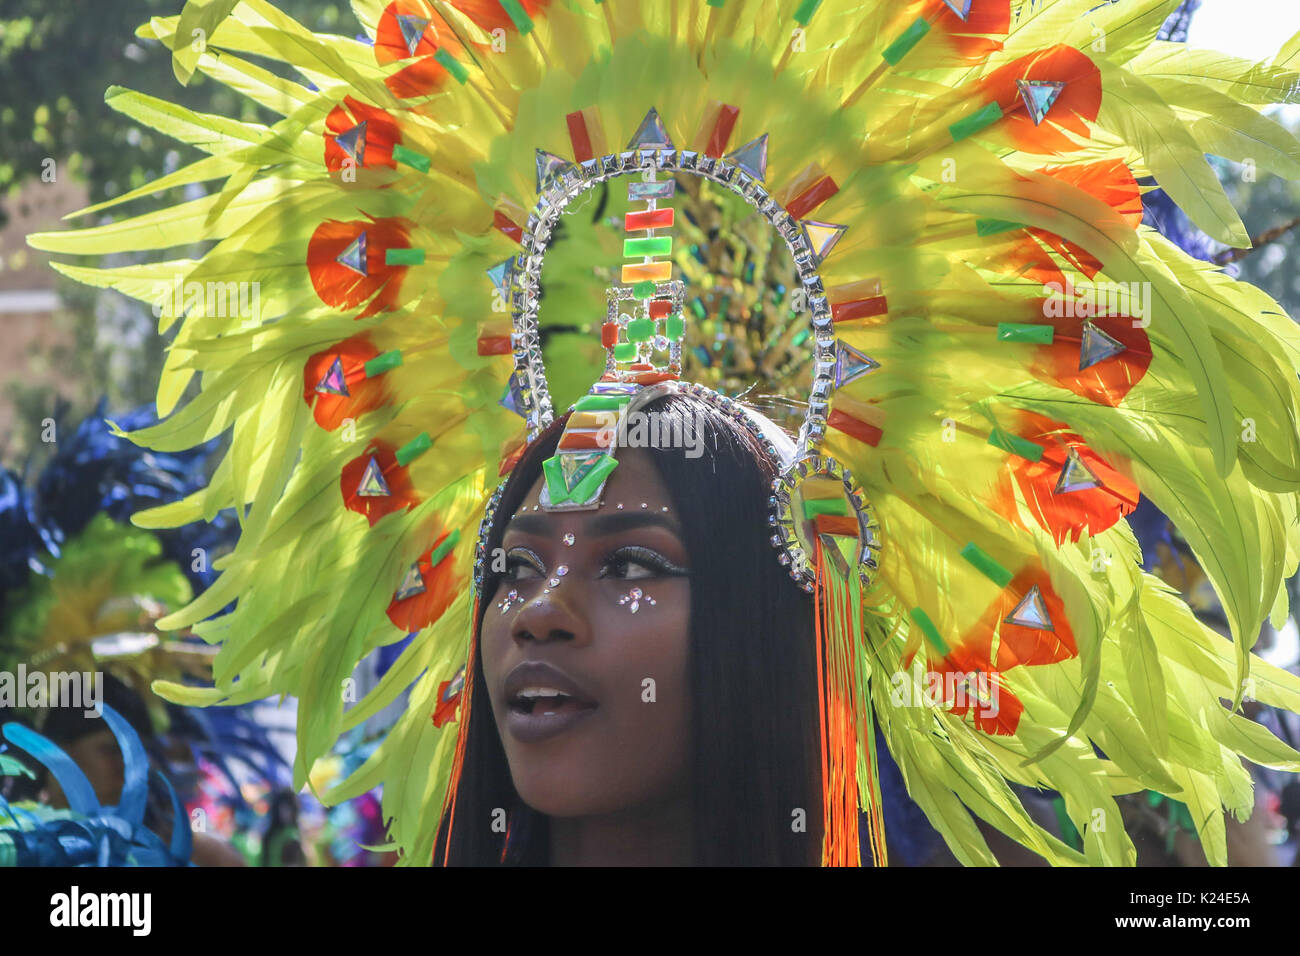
(635, 482)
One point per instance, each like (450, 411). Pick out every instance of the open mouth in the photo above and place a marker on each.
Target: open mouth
(547, 702)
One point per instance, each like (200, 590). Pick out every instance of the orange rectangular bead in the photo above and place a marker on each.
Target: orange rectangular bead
(648, 272)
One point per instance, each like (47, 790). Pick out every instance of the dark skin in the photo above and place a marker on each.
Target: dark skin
(615, 784)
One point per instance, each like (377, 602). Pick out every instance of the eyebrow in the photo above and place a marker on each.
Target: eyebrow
(601, 525)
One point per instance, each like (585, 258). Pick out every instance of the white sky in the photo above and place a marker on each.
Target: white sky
(1254, 29)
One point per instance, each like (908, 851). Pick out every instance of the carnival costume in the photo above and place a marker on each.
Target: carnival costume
(995, 360)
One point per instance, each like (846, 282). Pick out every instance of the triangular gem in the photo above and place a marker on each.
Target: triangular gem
(372, 481)
(548, 165)
(577, 467)
(412, 28)
(353, 142)
(851, 364)
(752, 158)
(1039, 95)
(354, 256)
(411, 585)
(651, 133)
(831, 550)
(822, 237)
(1075, 475)
(959, 7)
(500, 274)
(1097, 346)
(1031, 612)
(334, 382)
(513, 399)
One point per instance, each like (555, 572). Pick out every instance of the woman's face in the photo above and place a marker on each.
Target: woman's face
(584, 649)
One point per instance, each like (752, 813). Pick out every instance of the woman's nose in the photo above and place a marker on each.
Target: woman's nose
(553, 616)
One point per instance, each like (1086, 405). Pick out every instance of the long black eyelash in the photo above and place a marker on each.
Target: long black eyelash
(514, 561)
(644, 556)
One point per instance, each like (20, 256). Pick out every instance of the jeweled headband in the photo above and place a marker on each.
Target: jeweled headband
(815, 503)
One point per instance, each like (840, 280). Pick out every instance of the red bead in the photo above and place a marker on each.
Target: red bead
(649, 219)
(812, 197)
(609, 334)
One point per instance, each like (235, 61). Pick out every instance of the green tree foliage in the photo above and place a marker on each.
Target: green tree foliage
(58, 56)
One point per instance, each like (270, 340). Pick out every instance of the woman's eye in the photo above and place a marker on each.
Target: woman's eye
(523, 565)
(632, 563)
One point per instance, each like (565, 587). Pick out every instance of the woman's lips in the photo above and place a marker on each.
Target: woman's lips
(543, 701)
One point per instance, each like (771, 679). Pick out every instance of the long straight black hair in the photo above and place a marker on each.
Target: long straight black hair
(755, 759)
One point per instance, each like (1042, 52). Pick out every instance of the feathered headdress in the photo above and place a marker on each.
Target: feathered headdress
(995, 357)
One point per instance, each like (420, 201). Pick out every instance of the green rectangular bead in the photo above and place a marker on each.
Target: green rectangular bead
(518, 16)
(675, 326)
(624, 352)
(1019, 332)
(414, 448)
(985, 564)
(383, 362)
(442, 550)
(927, 627)
(970, 125)
(1015, 444)
(909, 38)
(648, 246)
(643, 290)
(451, 66)
(640, 330)
(601, 403)
(404, 257)
(824, 506)
(805, 11)
(411, 158)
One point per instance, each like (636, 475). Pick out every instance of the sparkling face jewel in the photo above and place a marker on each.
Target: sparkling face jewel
(562, 570)
(334, 382)
(634, 598)
(554, 582)
(568, 540)
(505, 603)
(354, 256)
(372, 484)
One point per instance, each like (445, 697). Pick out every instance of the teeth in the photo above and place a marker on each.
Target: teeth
(529, 693)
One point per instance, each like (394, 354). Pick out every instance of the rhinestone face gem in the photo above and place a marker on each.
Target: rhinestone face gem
(554, 582)
(633, 599)
(562, 570)
(568, 540)
(505, 603)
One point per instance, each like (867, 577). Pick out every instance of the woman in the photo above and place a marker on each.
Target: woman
(712, 760)
(945, 192)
